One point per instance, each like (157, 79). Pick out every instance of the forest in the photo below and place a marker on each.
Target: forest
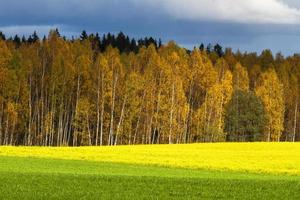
(112, 90)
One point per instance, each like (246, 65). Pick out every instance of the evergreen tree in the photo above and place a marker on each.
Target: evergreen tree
(35, 37)
(24, 39)
(84, 35)
(17, 41)
(2, 36)
(245, 117)
(219, 50)
(201, 47)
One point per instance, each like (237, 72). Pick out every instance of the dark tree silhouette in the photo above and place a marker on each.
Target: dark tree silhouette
(84, 35)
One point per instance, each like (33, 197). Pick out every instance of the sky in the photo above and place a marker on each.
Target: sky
(248, 25)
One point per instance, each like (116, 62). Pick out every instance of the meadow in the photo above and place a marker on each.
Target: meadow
(193, 171)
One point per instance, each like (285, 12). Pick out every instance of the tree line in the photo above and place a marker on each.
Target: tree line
(90, 91)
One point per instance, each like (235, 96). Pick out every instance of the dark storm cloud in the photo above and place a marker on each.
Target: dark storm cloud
(143, 18)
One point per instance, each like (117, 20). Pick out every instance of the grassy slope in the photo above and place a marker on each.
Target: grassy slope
(35, 178)
(198, 171)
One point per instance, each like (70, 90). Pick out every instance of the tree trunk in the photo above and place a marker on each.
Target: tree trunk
(12, 133)
(111, 130)
(295, 120)
(102, 110)
(6, 131)
(76, 109)
(171, 114)
(185, 136)
(28, 143)
(98, 108)
(120, 121)
(220, 116)
(139, 118)
(1, 118)
(88, 129)
(157, 110)
(42, 101)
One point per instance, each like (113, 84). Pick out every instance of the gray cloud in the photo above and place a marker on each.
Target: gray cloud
(242, 11)
(167, 19)
(70, 11)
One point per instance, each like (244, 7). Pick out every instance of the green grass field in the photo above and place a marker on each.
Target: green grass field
(198, 171)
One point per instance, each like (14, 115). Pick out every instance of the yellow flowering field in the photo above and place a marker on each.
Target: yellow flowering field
(250, 157)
